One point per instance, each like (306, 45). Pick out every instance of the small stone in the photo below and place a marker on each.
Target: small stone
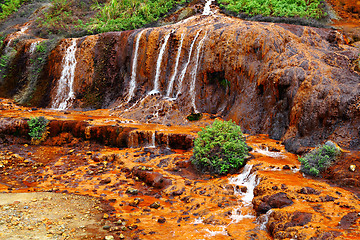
(123, 228)
(161, 220)
(88, 153)
(286, 167)
(25, 145)
(132, 191)
(106, 216)
(110, 237)
(121, 236)
(352, 168)
(155, 205)
(119, 222)
(106, 227)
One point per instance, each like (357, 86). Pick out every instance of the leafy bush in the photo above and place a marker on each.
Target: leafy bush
(8, 7)
(119, 15)
(286, 8)
(220, 148)
(38, 129)
(319, 159)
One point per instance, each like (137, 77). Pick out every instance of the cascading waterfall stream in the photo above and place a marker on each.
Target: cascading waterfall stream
(65, 91)
(183, 72)
(250, 181)
(207, 9)
(158, 64)
(194, 73)
(33, 47)
(172, 78)
(132, 84)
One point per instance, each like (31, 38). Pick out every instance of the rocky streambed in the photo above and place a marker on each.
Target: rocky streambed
(75, 187)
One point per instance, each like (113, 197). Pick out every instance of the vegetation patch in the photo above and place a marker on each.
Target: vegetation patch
(319, 159)
(220, 148)
(8, 7)
(38, 129)
(119, 15)
(38, 59)
(194, 116)
(5, 60)
(283, 8)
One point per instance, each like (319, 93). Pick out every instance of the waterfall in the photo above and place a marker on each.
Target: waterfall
(65, 92)
(207, 9)
(183, 72)
(158, 64)
(33, 47)
(194, 73)
(172, 78)
(153, 142)
(132, 85)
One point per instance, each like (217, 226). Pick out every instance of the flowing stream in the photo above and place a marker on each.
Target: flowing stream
(65, 90)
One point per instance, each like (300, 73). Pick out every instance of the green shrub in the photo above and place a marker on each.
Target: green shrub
(220, 148)
(319, 159)
(38, 129)
(285, 8)
(119, 15)
(8, 7)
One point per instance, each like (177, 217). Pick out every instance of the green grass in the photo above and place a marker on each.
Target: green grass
(319, 159)
(284, 8)
(8, 7)
(119, 15)
(219, 148)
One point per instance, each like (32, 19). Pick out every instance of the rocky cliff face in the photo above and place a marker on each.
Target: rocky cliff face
(295, 83)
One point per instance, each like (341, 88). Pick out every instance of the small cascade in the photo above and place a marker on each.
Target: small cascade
(33, 47)
(132, 84)
(158, 64)
(65, 92)
(268, 153)
(153, 138)
(207, 9)
(172, 78)
(248, 180)
(183, 72)
(194, 73)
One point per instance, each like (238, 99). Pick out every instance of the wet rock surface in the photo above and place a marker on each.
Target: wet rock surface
(295, 83)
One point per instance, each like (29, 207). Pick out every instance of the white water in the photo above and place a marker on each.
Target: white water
(268, 153)
(158, 64)
(132, 84)
(153, 143)
(65, 91)
(172, 78)
(248, 180)
(33, 47)
(194, 73)
(207, 9)
(183, 72)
